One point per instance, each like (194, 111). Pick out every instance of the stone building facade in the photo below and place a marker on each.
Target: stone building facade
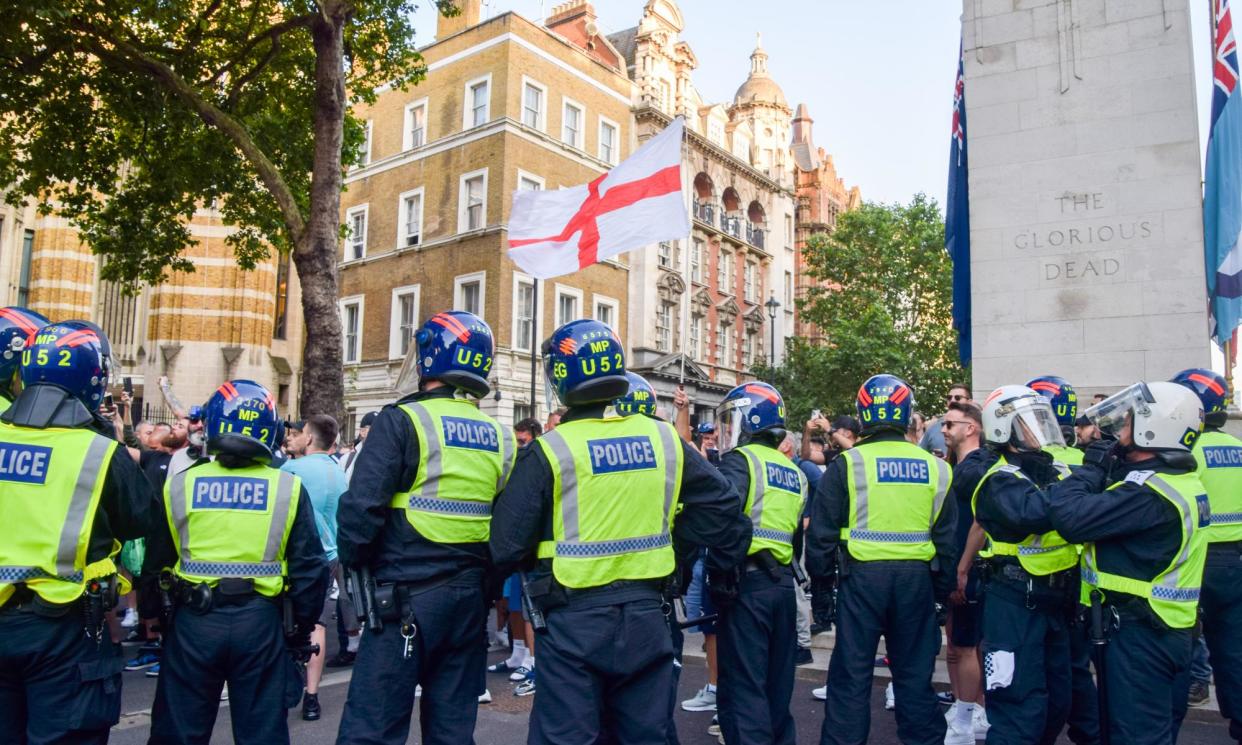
(699, 303)
(507, 104)
(199, 329)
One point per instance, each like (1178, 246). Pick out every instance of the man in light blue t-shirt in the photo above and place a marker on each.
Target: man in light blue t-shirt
(325, 482)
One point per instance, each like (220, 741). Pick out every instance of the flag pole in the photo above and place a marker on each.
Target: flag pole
(536, 315)
(685, 267)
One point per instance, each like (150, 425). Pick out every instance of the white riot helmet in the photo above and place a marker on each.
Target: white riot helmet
(1167, 416)
(1017, 415)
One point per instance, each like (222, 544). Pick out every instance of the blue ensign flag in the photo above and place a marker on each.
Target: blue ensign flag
(957, 217)
(1222, 193)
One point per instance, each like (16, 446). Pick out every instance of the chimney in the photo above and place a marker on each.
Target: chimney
(469, 16)
(573, 10)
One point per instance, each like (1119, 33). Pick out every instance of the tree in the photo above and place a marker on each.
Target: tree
(124, 115)
(883, 300)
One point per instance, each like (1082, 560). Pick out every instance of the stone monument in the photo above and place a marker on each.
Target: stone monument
(1085, 198)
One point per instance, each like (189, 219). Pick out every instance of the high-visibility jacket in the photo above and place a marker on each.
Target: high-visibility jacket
(1039, 555)
(1065, 454)
(897, 491)
(5, 403)
(232, 523)
(1173, 593)
(51, 481)
(1219, 456)
(464, 460)
(775, 501)
(616, 483)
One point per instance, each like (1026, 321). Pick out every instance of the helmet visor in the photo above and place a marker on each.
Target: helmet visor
(1111, 414)
(729, 417)
(407, 378)
(1035, 425)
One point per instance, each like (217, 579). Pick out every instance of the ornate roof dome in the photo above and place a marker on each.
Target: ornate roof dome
(759, 86)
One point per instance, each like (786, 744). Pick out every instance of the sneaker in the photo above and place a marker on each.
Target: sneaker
(496, 645)
(713, 729)
(981, 723)
(890, 701)
(134, 636)
(143, 661)
(946, 697)
(153, 671)
(955, 736)
(804, 656)
(520, 674)
(485, 697)
(704, 700)
(951, 712)
(820, 694)
(1200, 692)
(500, 667)
(418, 691)
(819, 628)
(342, 659)
(526, 687)
(130, 620)
(310, 707)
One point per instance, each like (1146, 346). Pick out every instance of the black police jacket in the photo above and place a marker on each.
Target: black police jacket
(710, 516)
(371, 533)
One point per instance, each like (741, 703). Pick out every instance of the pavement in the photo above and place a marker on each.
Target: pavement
(504, 721)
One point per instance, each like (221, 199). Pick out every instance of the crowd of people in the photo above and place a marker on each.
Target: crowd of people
(1072, 557)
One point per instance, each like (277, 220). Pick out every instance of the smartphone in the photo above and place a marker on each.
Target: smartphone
(128, 384)
(815, 414)
(108, 400)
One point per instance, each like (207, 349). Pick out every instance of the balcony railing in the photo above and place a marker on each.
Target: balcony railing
(705, 211)
(734, 225)
(755, 235)
(731, 225)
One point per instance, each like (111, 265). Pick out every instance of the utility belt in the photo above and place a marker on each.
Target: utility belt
(1133, 609)
(100, 596)
(1048, 592)
(201, 598)
(765, 562)
(1011, 571)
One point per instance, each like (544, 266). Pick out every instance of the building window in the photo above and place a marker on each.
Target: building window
(748, 350)
(571, 124)
(715, 133)
(529, 182)
(568, 302)
(356, 233)
(789, 231)
(724, 345)
(410, 232)
(23, 282)
(696, 337)
(666, 96)
(280, 323)
(664, 327)
(473, 201)
(533, 96)
(365, 155)
(724, 273)
(478, 100)
(748, 282)
(351, 326)
(606, 311)
(696, 260)
(607, 140)
(468, 293)
(523, 313)
(415, 125)
(788, 291)
(666, 254)
(404, 320)
(522, 411)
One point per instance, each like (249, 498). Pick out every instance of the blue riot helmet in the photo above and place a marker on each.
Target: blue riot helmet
(884, 402)
(240, 414)
(705, 428)
(584, 363)
(1212, 389)
(1064, 401)
(640, 399)
(455, 348)
(17, 325)
(74, 356)
(746, 411)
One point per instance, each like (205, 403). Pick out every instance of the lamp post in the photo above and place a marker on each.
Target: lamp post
(772, 305)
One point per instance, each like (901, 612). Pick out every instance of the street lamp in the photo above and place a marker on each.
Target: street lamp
(772, 305)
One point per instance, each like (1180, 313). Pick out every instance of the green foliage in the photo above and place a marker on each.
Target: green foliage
(126, 115)
(885, 305)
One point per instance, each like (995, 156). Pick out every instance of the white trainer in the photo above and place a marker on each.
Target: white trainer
(890, 701)
(821, 693)
(704, 700)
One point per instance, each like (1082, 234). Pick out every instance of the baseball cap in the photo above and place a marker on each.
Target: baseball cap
(847, 422)
(367, 419)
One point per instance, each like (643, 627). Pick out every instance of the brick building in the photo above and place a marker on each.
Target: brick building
(507, 104)
(199, 329)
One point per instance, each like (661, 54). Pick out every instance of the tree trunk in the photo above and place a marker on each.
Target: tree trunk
(318, 248)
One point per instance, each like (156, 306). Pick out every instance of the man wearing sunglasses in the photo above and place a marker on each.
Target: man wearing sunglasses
(933, 436)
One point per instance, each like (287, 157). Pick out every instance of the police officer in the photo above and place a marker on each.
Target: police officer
(883, 503)
(16, 326)
(70, 496)
(1219, 458)
(416, 516)
(594, 501)
(241, 542)
(1084, 713)
(1031, 586)
(757, 651)
(1140, 508)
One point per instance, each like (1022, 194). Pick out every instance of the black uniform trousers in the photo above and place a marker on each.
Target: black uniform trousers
(1033, 632)
(1084, 716)
(56, 685)
(1221, 601)
(757, 651)
(1148, 676)
(678, 639)
(242, 645)
(449, 661)
(604, 675)
(893, 598)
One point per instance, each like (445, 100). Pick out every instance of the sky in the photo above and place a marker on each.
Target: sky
(877, 77)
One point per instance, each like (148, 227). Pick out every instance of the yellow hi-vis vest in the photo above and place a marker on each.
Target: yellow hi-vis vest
(1219, 456)
(5, 403)
(775, 501)
(232, 523)
(896, 493)
(1039, 555)
(1064, 454)
(1173, 593)
(50, 484)
(616, 482)
(464, 460)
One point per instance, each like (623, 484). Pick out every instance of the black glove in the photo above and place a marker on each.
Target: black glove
(942, 614)
(1100, 453)
(299, 645)
(824, 602)
(723, 588)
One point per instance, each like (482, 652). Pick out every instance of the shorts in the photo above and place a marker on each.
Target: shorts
(513, 592)
(341, 604)
(966, 621)
(327, 616)
(699, 600)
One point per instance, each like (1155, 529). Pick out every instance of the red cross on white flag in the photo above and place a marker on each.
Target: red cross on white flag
(637, 203)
